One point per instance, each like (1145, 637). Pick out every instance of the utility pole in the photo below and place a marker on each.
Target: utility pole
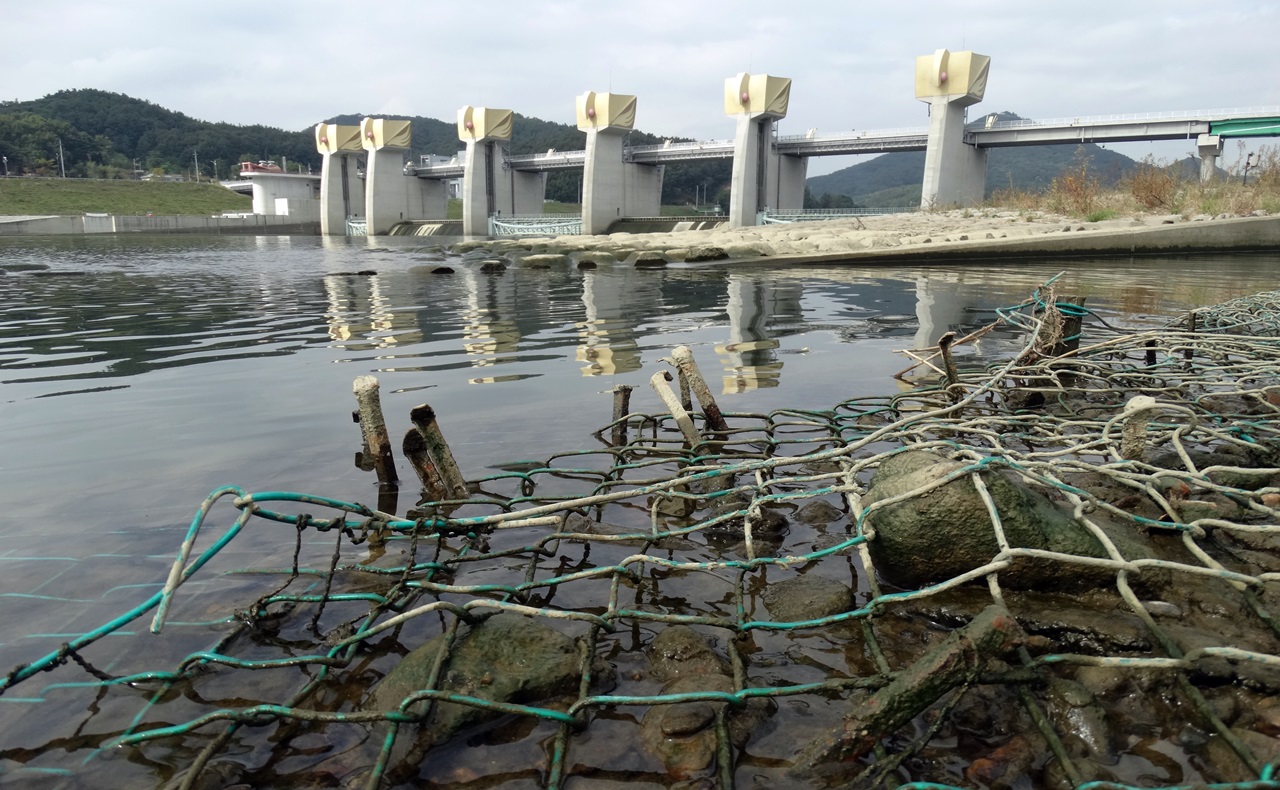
(62, 160)
(196, 155)
(215, 170)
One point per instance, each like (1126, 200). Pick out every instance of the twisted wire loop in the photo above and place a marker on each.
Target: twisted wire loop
(1170, 434)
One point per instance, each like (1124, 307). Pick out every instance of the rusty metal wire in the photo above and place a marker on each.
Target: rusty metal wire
(683, 519)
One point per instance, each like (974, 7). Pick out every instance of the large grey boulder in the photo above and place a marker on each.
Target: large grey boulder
(930, 537)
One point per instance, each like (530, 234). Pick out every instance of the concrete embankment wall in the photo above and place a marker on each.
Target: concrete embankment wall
(1224, 235)
(94, 224)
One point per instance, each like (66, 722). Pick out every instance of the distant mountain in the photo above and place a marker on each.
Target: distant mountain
(898, 176)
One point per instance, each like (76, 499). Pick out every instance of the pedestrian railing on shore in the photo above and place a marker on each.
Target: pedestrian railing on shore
(545, 225)
(781, 217)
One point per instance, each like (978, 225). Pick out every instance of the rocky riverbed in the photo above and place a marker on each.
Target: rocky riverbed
(958, 233)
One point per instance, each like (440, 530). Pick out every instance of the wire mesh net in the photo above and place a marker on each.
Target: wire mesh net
(1057, 571)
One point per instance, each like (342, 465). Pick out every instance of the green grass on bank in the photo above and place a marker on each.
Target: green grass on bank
(77, 196)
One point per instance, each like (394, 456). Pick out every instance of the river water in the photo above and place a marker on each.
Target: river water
(137, 374)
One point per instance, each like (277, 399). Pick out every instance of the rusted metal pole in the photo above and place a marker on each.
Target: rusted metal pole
(374, 427)
(424, 419)
(659, 383)
(683, 357)
(621, 408)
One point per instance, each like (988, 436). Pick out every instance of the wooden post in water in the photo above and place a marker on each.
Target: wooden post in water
(434, 445)
(659, 383)
(415, 452)
(621, 408)
(1072, 321)
(374, 427)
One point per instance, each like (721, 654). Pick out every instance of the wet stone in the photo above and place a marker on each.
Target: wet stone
(807, 598)
(706, 253)
(818, 512)
(939, 534)
(506, 658)
(680, 651)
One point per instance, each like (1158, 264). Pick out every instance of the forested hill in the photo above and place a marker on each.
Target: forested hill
(109, 135)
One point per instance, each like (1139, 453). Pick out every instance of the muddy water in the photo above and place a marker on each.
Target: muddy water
(136, 375)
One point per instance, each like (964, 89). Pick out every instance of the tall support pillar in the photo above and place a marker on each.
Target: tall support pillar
(341, 193)
(385, 186)
(486, 185)
(955, 172)
(757, 101)
(1209, 146)
(606, 118)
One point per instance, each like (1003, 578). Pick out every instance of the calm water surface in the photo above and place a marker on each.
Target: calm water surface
(137, 374)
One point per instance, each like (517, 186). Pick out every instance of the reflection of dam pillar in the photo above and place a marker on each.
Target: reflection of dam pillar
(490, 337)
(750, 357)
(386, 195)
(612, 188)
(934, 316)
(955, 172)
(341, 191)
(757, 102)
(613, 302)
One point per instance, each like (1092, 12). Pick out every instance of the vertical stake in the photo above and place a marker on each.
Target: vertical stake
(375, 429)
(621, 408)
(949, 363)
(1191, 327)
(683, 357)
(424, 419)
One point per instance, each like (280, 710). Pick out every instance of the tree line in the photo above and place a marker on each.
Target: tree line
(98, 134)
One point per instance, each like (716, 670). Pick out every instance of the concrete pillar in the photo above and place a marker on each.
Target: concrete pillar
(606, 118)
(757, 102)
(1209, 146)
(487, 186)
(428, 198)
(792, 172)
(341, 191)
(386, 194)
(955, 172)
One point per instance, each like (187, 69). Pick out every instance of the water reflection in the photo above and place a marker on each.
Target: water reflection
(489, 330)
(755, 306)
(615, 305)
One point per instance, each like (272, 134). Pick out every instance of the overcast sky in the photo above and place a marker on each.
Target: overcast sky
(291, 64)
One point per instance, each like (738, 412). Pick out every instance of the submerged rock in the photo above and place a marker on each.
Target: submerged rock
(506, 658)
(679, 651)
(807, 598)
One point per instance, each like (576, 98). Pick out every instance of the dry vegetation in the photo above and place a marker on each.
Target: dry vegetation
(1250, 184)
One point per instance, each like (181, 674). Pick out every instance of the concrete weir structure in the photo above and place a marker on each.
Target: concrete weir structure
(762, 178)
(955, 170)
(490, 186)
(611, 187)
(341, 190)
(391, 196)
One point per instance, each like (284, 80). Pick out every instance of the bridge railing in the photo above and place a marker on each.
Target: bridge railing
(1177, 115)
(674, 147)
(785, 216)
(545, 225)
(854, 134)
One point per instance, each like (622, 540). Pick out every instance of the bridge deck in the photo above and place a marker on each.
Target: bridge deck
(1244, 122)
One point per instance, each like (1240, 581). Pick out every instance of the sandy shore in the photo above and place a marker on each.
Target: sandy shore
(970, 233)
